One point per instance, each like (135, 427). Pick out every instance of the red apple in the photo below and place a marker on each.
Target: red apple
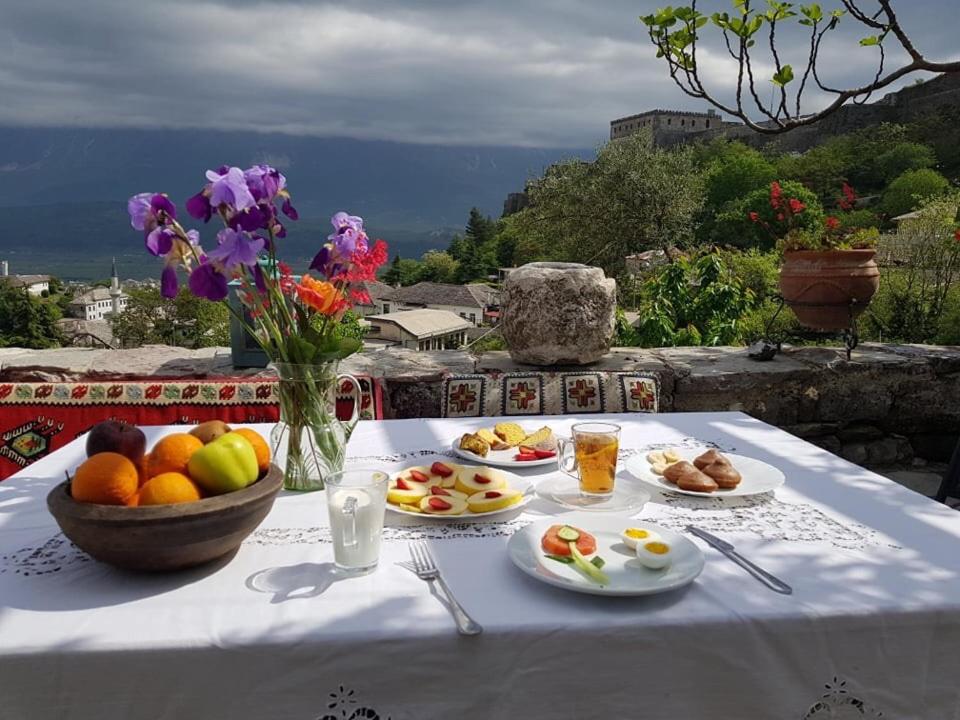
(119, 437)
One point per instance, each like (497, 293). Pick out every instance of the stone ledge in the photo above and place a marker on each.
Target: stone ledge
(886, 396)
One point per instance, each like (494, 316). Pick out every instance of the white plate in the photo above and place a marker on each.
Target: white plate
(514, 481)
(565, 490)
(500, 458)
(627, 575)
(756, 476)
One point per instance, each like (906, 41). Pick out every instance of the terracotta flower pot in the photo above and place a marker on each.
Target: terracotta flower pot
(820, 285)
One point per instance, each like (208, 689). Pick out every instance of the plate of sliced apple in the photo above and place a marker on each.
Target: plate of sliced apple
(446, 490)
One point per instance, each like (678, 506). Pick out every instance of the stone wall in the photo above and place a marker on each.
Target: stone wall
(886, 405)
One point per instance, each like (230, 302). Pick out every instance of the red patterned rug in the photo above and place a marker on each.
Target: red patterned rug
(38, 418)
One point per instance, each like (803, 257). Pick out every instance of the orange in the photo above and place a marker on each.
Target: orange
(171, 454)
(260, 447)
(106, 478)
(168, 489)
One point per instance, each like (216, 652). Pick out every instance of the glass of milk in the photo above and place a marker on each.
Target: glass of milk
(356, 501)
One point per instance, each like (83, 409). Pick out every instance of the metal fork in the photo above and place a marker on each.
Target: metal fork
(426, 569)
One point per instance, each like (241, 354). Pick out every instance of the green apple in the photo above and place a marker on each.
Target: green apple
(223, 465)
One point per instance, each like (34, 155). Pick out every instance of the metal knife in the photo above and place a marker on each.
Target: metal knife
(771, 581)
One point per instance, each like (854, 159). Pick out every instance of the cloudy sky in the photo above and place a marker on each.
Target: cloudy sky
(506, 72)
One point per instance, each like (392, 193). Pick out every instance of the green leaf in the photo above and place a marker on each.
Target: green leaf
(871, 40)
(838, 13)
(784, 76)
(348, 346)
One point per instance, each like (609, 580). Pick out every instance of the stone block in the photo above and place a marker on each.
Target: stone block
(861, 432)
(412, 399)
(558, 313)
(882, 452)
(854, 452)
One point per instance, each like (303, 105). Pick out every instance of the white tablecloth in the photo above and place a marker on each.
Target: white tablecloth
(872, 629)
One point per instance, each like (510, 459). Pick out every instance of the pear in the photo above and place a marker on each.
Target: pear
(207, 432)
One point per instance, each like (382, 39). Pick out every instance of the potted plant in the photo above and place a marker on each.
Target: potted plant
(829, 274)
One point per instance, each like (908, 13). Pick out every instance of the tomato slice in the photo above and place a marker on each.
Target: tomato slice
(552, 544)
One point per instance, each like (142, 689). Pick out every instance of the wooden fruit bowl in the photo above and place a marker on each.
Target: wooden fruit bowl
(165, 537)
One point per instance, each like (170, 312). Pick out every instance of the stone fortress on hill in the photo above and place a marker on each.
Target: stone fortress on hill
(671, 127)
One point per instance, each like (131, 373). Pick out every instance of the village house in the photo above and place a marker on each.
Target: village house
(477, 303)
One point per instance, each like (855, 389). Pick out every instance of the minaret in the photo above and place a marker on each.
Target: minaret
(115, 290)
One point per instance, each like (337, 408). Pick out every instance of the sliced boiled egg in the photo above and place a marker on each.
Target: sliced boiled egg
(634, 535)
(654, 554)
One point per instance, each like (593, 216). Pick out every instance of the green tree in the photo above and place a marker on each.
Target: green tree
(402, 271)
(477, 251)
(910, 189)
(633, 197)
(27, 321)
(438, 266)
(735, 175)
(902, 157)
(735, 227)
(186, 321)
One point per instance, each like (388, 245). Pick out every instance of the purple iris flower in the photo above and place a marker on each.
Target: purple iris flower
(259, 279)
(264, 182)
(159, 241)
(341, 221)
(199, 207)
(207, 282)
(169, 283)
(289, 210)
(321, 259)
(194, 237)
(235, 249)
(229, 188)
(346, 242)
(250, 220)
(279, 230)
(147, 210)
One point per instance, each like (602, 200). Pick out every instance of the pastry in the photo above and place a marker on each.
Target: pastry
(686, 477)
(696, 481)
(674, 472)
(475, 444)
(491, 439)
(658, 468)
(542, 439)
(656, 458)
(709, 458)
(724, 474)
(511, 433)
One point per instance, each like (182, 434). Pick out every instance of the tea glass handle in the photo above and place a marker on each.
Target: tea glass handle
(350, 525)
(357, 400)
(567, 462)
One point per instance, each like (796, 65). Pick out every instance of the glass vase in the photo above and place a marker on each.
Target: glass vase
(309, 442)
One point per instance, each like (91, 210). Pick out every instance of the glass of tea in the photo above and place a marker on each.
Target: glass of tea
(591, 457)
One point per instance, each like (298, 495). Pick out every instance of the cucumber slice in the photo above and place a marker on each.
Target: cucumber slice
(568, 533)
(598, 562)
(588, 568)
(565, 559)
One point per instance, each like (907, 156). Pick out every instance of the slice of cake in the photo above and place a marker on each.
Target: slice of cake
(542, 439)
(491, 438)
(510, 433)
(471, 442)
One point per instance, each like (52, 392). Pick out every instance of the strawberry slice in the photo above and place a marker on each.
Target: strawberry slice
(492, 494)
(437, 490)
(401, 485)
(525, 457)
(438, 468)
(439, 504)
(526, 450)
(418, 476)
(545, 453)
(478, 478)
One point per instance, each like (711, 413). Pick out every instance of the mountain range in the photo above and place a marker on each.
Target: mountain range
(63, 190)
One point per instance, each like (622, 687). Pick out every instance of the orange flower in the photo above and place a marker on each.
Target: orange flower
(319, 295)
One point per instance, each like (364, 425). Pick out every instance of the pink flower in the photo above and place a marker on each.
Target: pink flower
(796, 207)
(754, 216)
(832, 223)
